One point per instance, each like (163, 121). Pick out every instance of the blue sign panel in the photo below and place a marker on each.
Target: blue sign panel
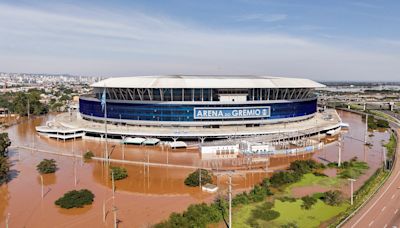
(232, 112)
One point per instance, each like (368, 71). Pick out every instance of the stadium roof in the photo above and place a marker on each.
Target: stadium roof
(206, 81)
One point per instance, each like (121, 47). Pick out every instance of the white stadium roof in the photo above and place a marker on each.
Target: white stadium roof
(206, 81)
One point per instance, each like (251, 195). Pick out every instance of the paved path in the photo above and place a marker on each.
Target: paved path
(383, 210)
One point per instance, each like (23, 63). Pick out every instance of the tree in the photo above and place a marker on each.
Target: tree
(47, 166)
(308, 202)
(75, 198)
(4, 163)
(88, 155)
(193, 179)
(119, 173)
(4, 144)
(4, 168)
(332, 198)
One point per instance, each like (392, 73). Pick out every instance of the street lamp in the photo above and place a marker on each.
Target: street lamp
(7, 219)
(41, 181)
(351, 189)
(123, 147)
(104, 208)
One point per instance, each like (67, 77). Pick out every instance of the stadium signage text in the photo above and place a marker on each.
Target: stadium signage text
(232, 112)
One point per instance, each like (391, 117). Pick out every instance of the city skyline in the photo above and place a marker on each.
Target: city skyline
(346, 40)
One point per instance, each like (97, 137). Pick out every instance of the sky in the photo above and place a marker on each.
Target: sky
(325, 40)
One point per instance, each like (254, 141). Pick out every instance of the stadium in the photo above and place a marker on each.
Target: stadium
(197, 108)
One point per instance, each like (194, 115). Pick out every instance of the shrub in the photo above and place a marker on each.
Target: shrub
(75, 198)
(47, 166)
(119, 173)
(287, 199)
(280, 178)
(193, 179)
(4, 144)
(382, 123)
(264, 212)
(290, 225)
(319, 174)
(308, 202)
(305, 166)
(4, 168)
(332, 198)
(88, 155)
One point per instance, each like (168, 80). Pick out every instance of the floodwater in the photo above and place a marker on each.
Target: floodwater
(148, 195)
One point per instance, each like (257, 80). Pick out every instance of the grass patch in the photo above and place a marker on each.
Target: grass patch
(310, 179)
(290, 212)
(391, 146)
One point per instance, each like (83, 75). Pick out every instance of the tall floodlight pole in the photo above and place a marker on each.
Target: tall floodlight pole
(339, 151)
(28, 108)
(230, 201)
(123, 147)
(200, 177)
(41, 182)
(351, 190)
(7, 219)
(384, 157)
(115, 216)
(75, 171)
(104, 107)
(366, 129)
(113, 184)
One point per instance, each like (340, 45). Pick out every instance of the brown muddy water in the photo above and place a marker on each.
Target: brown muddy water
(149, 194)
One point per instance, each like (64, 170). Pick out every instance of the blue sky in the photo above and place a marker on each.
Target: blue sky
(322, 40)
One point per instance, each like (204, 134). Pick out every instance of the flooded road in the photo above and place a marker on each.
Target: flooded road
(148, 195)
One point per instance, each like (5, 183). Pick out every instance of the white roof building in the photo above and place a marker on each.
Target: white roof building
(207, 81)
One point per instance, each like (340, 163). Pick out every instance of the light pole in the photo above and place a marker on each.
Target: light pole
(123, 147)
(41, 181)
(113, 184)
(115, 209)
(366, 129)
(351, 189)
(75, 171)
(7, 219)
(339, 150)
(104, 208)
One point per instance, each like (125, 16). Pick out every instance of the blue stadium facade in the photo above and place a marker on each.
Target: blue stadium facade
(201, 101)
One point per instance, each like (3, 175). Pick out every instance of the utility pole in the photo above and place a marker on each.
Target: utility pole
(230, 174)
(123, 147)
(384, 157)
(339, 151)
(115, 216)
(7, 219)
(366, 129)
(351, 190)
(113, 184)
(200, 177)
(75, 171)
(41, 181)
(28, 108)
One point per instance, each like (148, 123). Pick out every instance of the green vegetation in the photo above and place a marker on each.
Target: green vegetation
(88, 155)
(297, 170)
(262, 212)
(4, 144)
(200, 215)
(332, 198)
(391, 146)
(308, 202)
(362, 194)
(119, 173)
(193, 179)
(4, 162)
(47, 166)
(376, 123)
(291, 214)
(75, 198)
(350, 169)
(4, 168)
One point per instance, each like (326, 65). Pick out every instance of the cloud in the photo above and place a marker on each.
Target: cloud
(120, 42)
(263, 17)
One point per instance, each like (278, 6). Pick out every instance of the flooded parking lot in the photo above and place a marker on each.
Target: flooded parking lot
(149, 194)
